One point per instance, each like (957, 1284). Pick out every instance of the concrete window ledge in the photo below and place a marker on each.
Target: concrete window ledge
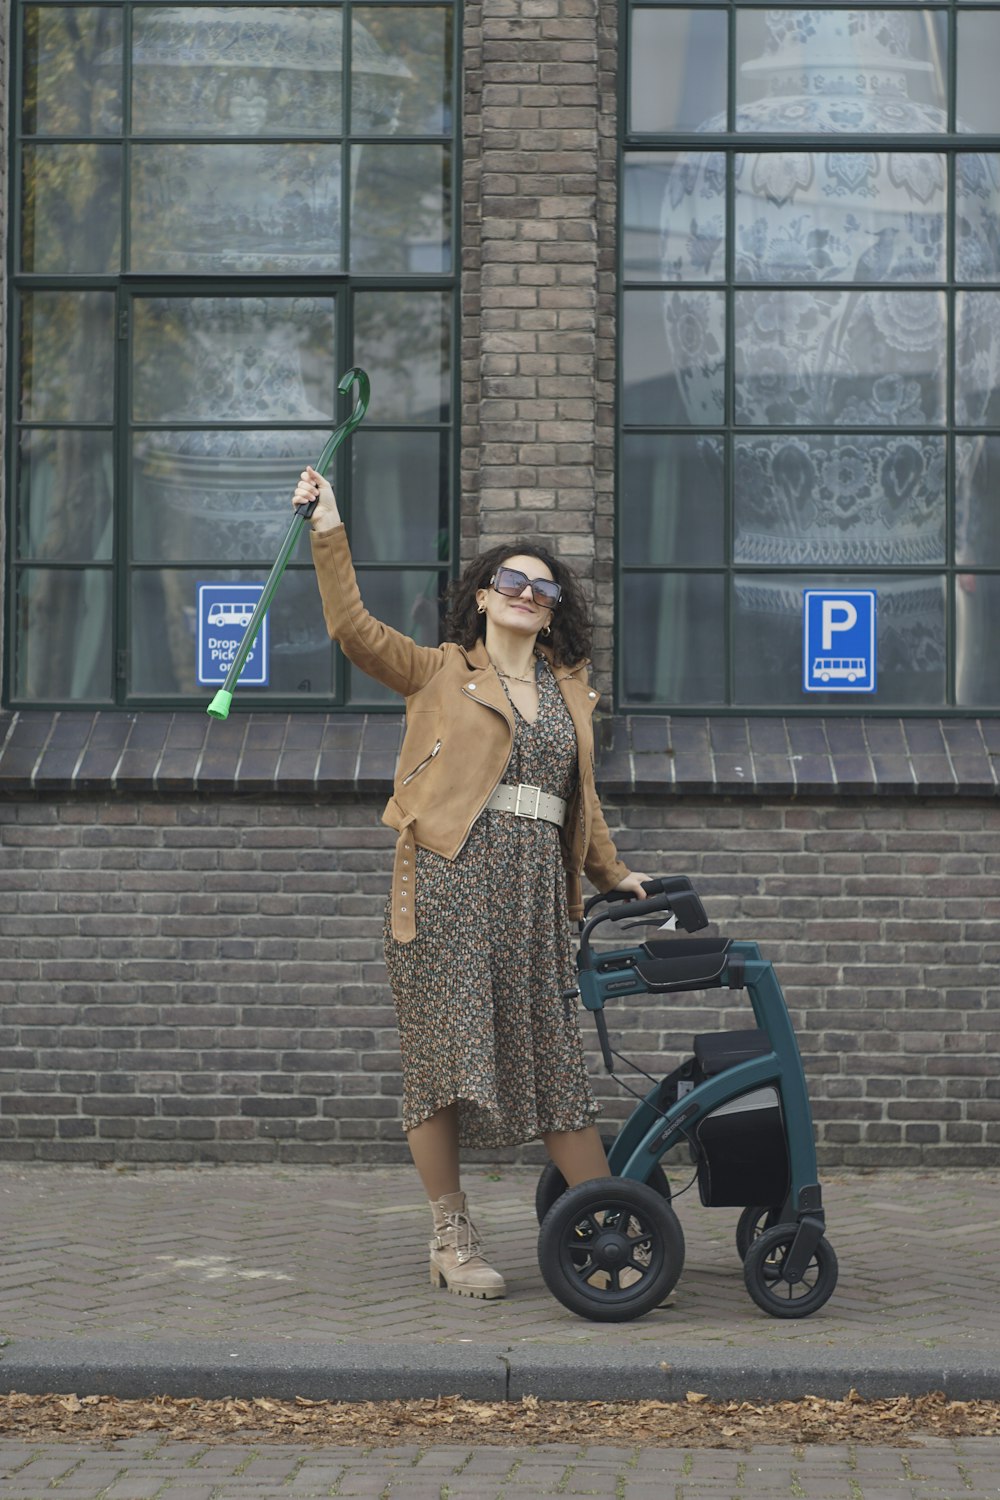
(52, 752)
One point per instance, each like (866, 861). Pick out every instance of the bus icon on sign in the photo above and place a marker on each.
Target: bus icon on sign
(850, 668)
(235, 613)
(838, 641)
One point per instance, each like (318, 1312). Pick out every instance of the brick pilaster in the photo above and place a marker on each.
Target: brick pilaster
(538, 293)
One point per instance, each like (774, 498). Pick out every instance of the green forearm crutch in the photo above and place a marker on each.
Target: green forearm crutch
(220, 704)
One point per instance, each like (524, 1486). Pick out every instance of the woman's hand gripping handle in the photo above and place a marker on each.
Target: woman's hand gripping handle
(315, 501)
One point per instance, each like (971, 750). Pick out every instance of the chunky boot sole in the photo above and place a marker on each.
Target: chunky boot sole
(440, 1279)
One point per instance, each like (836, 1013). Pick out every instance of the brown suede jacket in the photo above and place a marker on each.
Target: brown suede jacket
(459, 738)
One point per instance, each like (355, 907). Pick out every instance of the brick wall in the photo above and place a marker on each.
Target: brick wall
(192, 969)
(538, 284)
(201, 980)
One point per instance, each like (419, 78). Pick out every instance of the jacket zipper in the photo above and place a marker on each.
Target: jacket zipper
(500, 778)
(425, 762)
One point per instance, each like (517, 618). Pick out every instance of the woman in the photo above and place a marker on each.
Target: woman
(497, 815)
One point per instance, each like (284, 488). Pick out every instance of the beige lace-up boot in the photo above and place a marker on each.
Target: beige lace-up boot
(456, 1262)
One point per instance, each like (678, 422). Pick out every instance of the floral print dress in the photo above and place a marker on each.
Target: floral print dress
(478, 991)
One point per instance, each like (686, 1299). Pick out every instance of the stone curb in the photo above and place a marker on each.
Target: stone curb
(354, 1370)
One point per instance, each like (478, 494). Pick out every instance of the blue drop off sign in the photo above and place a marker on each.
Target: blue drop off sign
(224, 612)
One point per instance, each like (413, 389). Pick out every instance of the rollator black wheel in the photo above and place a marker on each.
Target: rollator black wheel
(752, 1222)
(611, 1249)
(552, 1183)
(762, 1270)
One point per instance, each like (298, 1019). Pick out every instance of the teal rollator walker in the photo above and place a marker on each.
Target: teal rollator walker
(612, 1249)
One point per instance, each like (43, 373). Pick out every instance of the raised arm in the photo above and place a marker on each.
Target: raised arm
(383, 653)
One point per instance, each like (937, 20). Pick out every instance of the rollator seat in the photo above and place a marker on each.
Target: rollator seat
(682, 964)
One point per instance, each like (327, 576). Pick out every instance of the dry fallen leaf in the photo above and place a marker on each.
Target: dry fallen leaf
(696, 1421)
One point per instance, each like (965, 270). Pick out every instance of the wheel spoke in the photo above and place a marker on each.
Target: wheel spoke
(803, 1287)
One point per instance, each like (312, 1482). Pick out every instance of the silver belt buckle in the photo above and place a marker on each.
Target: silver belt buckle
(523, 812)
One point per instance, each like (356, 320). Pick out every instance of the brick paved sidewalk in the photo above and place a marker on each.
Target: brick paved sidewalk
(139, 1468)
(308, 1256)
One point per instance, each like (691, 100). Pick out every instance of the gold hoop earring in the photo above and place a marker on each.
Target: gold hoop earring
(546, 630)
(480, 609)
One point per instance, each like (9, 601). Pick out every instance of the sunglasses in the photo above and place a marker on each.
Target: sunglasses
(511, 583)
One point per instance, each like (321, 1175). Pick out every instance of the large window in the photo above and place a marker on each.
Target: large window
(810, 349)
(218, 210)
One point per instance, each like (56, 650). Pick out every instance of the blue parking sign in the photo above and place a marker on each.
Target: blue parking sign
(224, 612)
(838, 641)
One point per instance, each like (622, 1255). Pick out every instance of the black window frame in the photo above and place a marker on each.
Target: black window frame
(343, 286)
(730, 143)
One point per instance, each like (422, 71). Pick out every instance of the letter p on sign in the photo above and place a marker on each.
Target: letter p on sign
(837, 614)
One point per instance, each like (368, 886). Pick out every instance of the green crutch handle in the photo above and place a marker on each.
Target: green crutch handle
(220, 704)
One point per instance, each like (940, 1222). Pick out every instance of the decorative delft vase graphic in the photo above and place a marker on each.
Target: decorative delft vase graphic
(854, 338)
(237, 200)
(213, 493)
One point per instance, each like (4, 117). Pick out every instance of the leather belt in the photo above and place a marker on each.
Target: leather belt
(528, 802)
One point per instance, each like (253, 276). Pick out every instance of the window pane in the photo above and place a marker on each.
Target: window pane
(72, 76)
(65, 486)
(67, 356)
(399, 496)
(977, 629)
(977, 104)
(850, 358)
(234, 359)
(164, 633)
(400, 71)
(840, 501)
(977, 501)
(977, 217)
(672, 498)
(680, 620)
(910, 640)
(840, 216)
(977, 358)
(674, 224)
(217, 495)
(236, 70)
(63, 635)
(674, 357)
(235, 209)
(400, 209)
(403, 340)
(860, 71)
(71, 209)
(408, 600)
(678, 70)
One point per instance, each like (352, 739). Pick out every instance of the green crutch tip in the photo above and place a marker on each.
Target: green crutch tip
(219, 706)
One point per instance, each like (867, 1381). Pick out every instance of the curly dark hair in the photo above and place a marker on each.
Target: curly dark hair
(569, 639)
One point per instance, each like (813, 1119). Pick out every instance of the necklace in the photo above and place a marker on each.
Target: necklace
(509, 676)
